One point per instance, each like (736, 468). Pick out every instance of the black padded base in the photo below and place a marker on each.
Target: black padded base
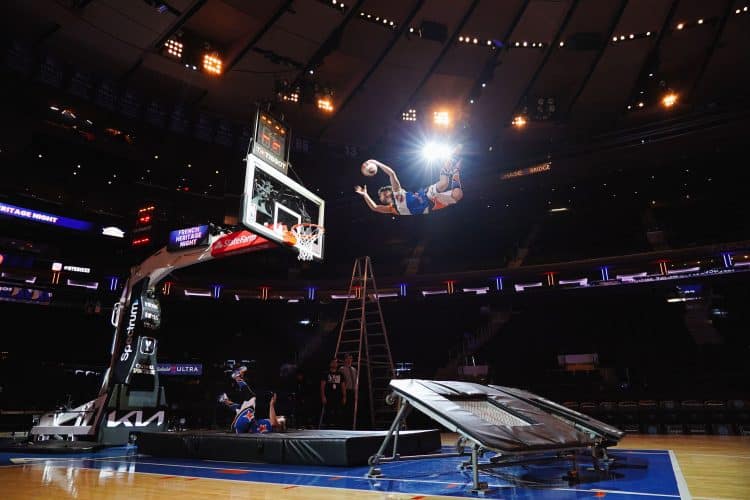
(305, 447)
(49, 447)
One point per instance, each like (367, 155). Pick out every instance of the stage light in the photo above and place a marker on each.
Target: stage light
(680, 26)
(700, 21)
(441, 118)
(562, 44)
(325, 104)
(614, 38)
(174, 48)
(519, 121)
(640, 104)
(648, 33)
(212, 63)
(669, 100)
(433, 151)
(409, 115)
(291, 97)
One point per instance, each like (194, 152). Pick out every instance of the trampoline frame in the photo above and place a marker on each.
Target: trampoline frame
(598, 450)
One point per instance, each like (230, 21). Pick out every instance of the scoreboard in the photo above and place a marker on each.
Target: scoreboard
(271, 141)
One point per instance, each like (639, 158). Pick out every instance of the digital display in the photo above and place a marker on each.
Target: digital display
(36, 216)
(271, 141)
(190, 237)
(151, 315)
(190, 369)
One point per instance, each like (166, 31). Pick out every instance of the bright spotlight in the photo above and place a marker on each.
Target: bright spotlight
(433, 151)
(212, 64)
(325, 104)
(669, 100)
(441, 118)
(519, 121)
(174, 48)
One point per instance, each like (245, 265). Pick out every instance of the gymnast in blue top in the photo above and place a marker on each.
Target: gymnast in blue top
(246, 421)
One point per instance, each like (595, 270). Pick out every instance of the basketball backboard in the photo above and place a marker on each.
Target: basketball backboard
(273, 203)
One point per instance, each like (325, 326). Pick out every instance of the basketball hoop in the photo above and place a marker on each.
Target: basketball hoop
(307, 235)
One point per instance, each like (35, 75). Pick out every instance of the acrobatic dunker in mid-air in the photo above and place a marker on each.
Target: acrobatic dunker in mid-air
(395, 200)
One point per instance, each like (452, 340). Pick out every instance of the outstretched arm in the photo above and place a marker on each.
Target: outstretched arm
(395, 184)
(272, 412)
(383, 209)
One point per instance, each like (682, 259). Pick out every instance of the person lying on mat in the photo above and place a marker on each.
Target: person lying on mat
(246, 421)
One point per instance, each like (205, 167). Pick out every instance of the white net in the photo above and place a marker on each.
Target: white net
(491, 413)
(307, 236)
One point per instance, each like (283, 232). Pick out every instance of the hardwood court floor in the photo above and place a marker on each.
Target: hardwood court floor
(713, 466)
(716, 467)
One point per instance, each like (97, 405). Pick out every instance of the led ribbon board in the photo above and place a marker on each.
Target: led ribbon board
(189, 369)
(36, 216)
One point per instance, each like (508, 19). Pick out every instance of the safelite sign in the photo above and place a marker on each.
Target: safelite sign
(239, 241)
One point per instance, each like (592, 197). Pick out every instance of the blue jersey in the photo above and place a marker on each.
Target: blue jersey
(418, 202)
(245, 422)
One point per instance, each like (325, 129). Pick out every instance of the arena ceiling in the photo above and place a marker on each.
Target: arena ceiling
(593, 58)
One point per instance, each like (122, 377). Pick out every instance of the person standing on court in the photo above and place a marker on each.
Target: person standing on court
(350, 382)
(332, 396)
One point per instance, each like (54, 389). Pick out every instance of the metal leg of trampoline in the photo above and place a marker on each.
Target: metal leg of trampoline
(395, 426)
(479, 487)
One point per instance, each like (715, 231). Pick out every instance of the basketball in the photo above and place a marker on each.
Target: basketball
(369, 168)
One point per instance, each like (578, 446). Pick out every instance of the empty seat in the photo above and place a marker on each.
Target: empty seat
(738, 412)
(693, 416)
(588, 407)
(648, 415)
(669, 417)
(628, 415)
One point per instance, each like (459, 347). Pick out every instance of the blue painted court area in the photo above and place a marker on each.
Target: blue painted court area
(636, 474)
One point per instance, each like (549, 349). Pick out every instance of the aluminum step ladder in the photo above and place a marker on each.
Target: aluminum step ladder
(363, 335)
